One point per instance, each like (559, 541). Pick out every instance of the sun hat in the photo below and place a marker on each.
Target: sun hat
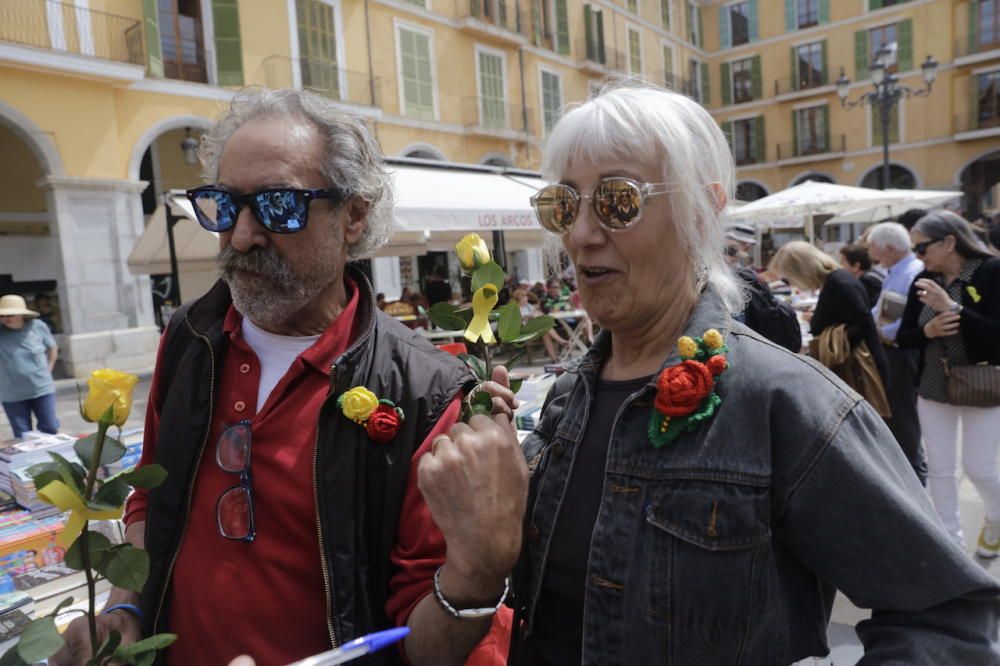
(742, 234)
(12, 304)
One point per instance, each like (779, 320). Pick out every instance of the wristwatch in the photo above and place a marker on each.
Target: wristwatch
(956, 308)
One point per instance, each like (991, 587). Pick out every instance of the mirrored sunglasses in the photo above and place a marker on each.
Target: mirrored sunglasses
(234, 511)
(616, 202)
(279, 210)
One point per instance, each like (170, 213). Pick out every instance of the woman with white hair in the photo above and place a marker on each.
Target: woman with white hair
(953, 316)
(698, 492)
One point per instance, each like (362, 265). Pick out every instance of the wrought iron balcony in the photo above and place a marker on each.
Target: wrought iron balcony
(799, 84)
(322, 76)
(65, 27)
(495, 18)
(819, 145)
(484, 115)
(978, 42)
(979, 119)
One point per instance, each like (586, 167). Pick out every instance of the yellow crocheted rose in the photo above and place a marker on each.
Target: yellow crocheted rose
(358, 404)
(712, 338)
(687, 347)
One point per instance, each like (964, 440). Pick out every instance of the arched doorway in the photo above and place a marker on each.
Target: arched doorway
(30, 258)
(496, 160)
(750, 191)
(423, 151)
(900, 178)
(979, 185)
(817, 177)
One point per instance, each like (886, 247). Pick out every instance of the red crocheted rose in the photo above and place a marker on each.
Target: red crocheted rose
(383, 424)
(717, 364)
(682, 387)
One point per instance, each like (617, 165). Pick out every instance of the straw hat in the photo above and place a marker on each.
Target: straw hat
(12, 304)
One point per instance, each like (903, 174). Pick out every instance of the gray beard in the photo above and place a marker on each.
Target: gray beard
(276, 294)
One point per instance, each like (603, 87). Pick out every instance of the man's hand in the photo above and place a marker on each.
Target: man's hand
(475, 483)
(78, 650)
(504, 401)
(942, 325)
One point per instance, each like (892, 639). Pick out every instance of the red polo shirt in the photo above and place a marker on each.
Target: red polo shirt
(266, 599)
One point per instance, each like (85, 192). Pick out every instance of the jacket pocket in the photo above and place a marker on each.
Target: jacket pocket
(709, 541)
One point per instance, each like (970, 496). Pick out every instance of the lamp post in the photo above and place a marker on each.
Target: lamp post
(887, 93)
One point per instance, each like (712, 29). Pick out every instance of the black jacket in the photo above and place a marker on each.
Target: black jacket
(979, 325)
(360, 484)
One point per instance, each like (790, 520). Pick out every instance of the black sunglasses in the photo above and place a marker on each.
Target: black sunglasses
(234, 512)
(921, 248)
(279, 210)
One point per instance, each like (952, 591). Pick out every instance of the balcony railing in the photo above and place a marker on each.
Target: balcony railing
(497, 13)
(978, 42)
(324, 77)
(64, 27)
(818, 146)
(488, 115)
(979, 119)
(672, 81)
(799, 84)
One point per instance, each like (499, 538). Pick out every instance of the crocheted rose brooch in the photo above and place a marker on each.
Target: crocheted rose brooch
(381, 418)
(685, 393)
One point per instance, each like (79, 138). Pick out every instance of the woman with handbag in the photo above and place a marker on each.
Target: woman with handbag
(953, 315)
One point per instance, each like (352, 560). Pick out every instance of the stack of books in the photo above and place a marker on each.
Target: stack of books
(17, 610)
(33, 448)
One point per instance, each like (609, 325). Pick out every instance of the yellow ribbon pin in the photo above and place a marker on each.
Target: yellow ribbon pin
(974, 293)
(482, 304)
(59, 495)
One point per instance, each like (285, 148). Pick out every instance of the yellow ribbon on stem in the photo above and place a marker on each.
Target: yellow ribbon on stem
(61, 496)
(482, 304)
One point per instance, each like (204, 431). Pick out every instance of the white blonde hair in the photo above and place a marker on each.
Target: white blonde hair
(352, 160)
(652, 126)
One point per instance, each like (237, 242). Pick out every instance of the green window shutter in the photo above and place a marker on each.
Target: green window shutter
(562, 27)
(795, 67)
(973, 102)
(876, 126)
(701, 31)
(418, 91)
(861, 55)
(752, 19)
(705, 88)
(727, 129)
(726, 83)
(760, 144)
(665, 14)
(536, 22)
(874, 4)
(756, 83)
(725, 34)
(599, 21)
(668, 63)
(795, 133)
(824, 11)
(688, 20)
(154, 49)
(791, 20)
(826, 128)
(228, 53)
(823, 65)
(974, 26)
(906, 45)
(588, 31)
(894, 124)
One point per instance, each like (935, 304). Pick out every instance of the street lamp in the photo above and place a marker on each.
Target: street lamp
(189, 146)
(888, 91)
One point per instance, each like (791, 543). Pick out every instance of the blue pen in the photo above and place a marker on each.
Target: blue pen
(356, 648)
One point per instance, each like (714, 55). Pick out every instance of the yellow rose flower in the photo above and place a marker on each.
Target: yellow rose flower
(687, 347)
(712, 338)
(109, 388)
(358, 404)
(472, 252)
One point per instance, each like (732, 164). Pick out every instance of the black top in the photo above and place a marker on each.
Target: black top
(872, 283)
(843, 300)
(557, 638)
(437, 291)
(979, 325)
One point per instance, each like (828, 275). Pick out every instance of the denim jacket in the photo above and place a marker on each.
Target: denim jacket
(726, 546)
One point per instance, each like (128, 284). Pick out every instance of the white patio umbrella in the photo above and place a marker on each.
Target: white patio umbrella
(907, 199)
(812, 198)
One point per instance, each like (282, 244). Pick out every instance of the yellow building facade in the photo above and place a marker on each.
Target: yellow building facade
(98, 96)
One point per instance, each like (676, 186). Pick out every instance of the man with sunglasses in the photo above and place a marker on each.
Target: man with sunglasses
(287, 524)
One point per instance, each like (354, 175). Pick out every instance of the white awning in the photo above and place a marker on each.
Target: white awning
(434, 208)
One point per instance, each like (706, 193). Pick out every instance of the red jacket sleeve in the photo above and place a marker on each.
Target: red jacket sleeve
(420, 550)
(135, 507)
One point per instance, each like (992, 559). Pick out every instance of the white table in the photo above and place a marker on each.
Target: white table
(577, 337)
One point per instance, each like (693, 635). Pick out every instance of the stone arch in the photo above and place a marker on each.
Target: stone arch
(764, 190)
(424, 151)
(897, 170)
(978, 177)
(496, 160)
(151, 134)
(811, 175)
(39, 142)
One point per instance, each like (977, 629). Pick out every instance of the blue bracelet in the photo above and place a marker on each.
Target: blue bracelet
(135, 610)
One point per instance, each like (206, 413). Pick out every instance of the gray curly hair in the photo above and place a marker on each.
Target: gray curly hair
(353, 160)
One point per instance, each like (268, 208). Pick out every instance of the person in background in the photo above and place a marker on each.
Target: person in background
(438, 290)
(520, 297)
(47, 313)
(855, 259)
(764, 313)
(953, 316)
(28, 353)
(889, 245)
(740, 241)
(842, 298)
(380, 301)
(911, 217)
